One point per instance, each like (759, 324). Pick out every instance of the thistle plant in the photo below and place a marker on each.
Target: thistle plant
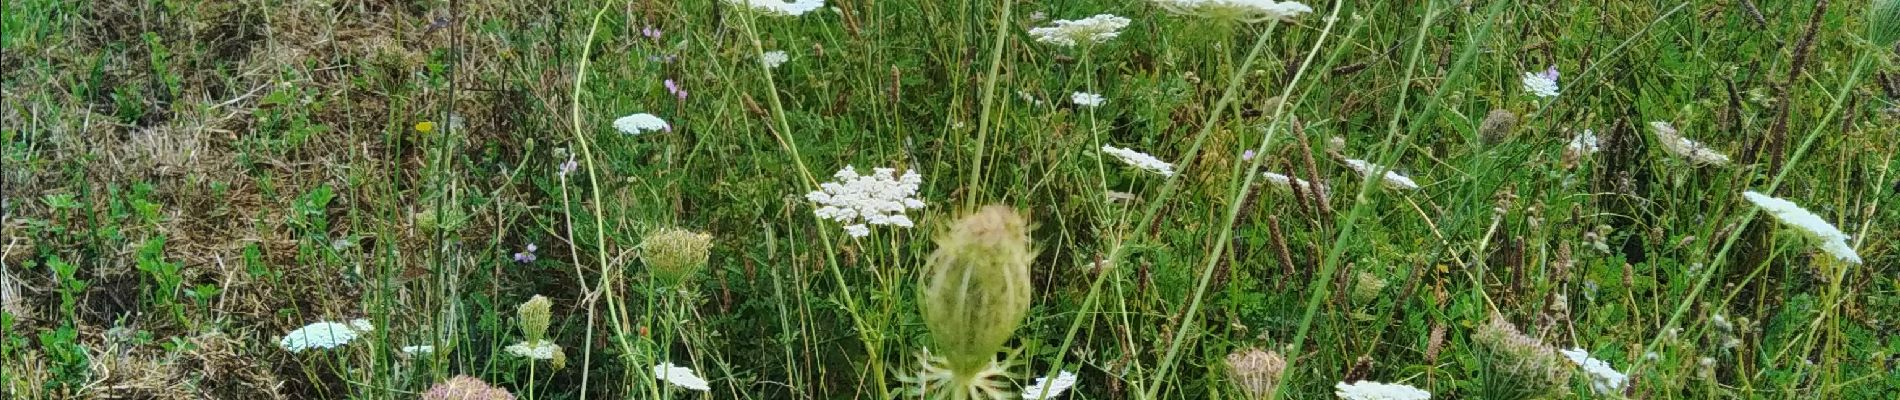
(975, 293)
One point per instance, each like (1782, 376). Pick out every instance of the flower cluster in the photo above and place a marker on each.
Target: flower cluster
(1256, 371)
(1086, 99)
(1249, 11)
(782, 7)
(1604, 379)
(641, 123)
(680, 376)
(1140, 160)
(323, 335)
(1392, 179)
(464, 387)
(878, 199)
(1520, 365)
(1096, 29)
(1832, 240)
(774, 58)
(1542, 84)
(1674, 143)
(1317, 191)
(1369, 390)
(1047, 388)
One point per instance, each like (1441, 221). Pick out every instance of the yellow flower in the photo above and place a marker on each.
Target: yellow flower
(425, 127)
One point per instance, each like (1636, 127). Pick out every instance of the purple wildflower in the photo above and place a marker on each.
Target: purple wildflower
(1246, 155)
(650, 32)
(1550, 74)
(526, 256)
(674, 88)
(567, 167)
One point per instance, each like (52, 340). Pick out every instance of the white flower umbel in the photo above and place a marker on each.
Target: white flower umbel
(418, 350)
(540, 350)
(1603, 379)
(1086, 99)
(774, 58)
(1288, 182)
(641, 123)
(1369, 390)
(1140, 160)
(1249, 11)
(1046, 388)
(320, 335)
(878, 199)
(1831, 239)
(362, 326)
(1583, 144)
(1541, 84)
(1674, 143)
(1392, 179)
(1069, 33)
(680, 376)
(782, 7)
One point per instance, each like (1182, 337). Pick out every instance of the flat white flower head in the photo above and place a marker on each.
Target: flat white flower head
(1369, 390)
(540, 349)
(418, 350)
(1069, 33)
(1695, 152)
(1541, 84)
(1603, 378)
(680, 376)
(1583, 144)
(774, 58)
(1392, 179)
(362, 326)
(1053, 387)
(1831, 239)
(1086, 99)
(877, 199)
(791, 8)
(1249, 11)
(1140, 160)
(1289, 183)
(641, 123)
(320, 335)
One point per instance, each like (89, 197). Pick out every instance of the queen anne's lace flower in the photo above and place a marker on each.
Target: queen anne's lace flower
(641, 123)
(1674, 143)
(1604, 380)
(1303, 186)
(878, 199)
(1053, 387)
(1583, 144)
(680, 376)
(774, 58)
(540, 349)
(320, 335)
(1086, 99)
(463, 387)
(1831, 239)
(1542, 84)
(1369, 390)
(1096, 29)
(1140, 160)
(1249, 11)
(1392, 179)
(782, 7)
(418, 350)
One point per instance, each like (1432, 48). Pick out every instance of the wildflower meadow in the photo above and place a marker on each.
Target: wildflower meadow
(949, 199)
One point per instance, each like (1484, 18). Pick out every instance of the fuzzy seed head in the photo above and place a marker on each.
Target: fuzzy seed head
(674, 255)
(1497, 125)
(464, 387)
(976, 286)
(533, 316)
(1524, 367)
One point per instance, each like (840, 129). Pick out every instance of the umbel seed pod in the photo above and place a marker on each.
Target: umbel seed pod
(533, 316)
(1256, 371)
(673, 255)
(1497, 126)
(976, 287)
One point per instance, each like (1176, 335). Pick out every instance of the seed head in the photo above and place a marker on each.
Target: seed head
(976, 286)
(1520, 366)
(674, 255)
(1497, 125)
(1256, 371)
(464, 387)
(533, 316)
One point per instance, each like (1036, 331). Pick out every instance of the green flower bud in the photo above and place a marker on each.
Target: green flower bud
(673, 255)
(533, 317)
(976, 287)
